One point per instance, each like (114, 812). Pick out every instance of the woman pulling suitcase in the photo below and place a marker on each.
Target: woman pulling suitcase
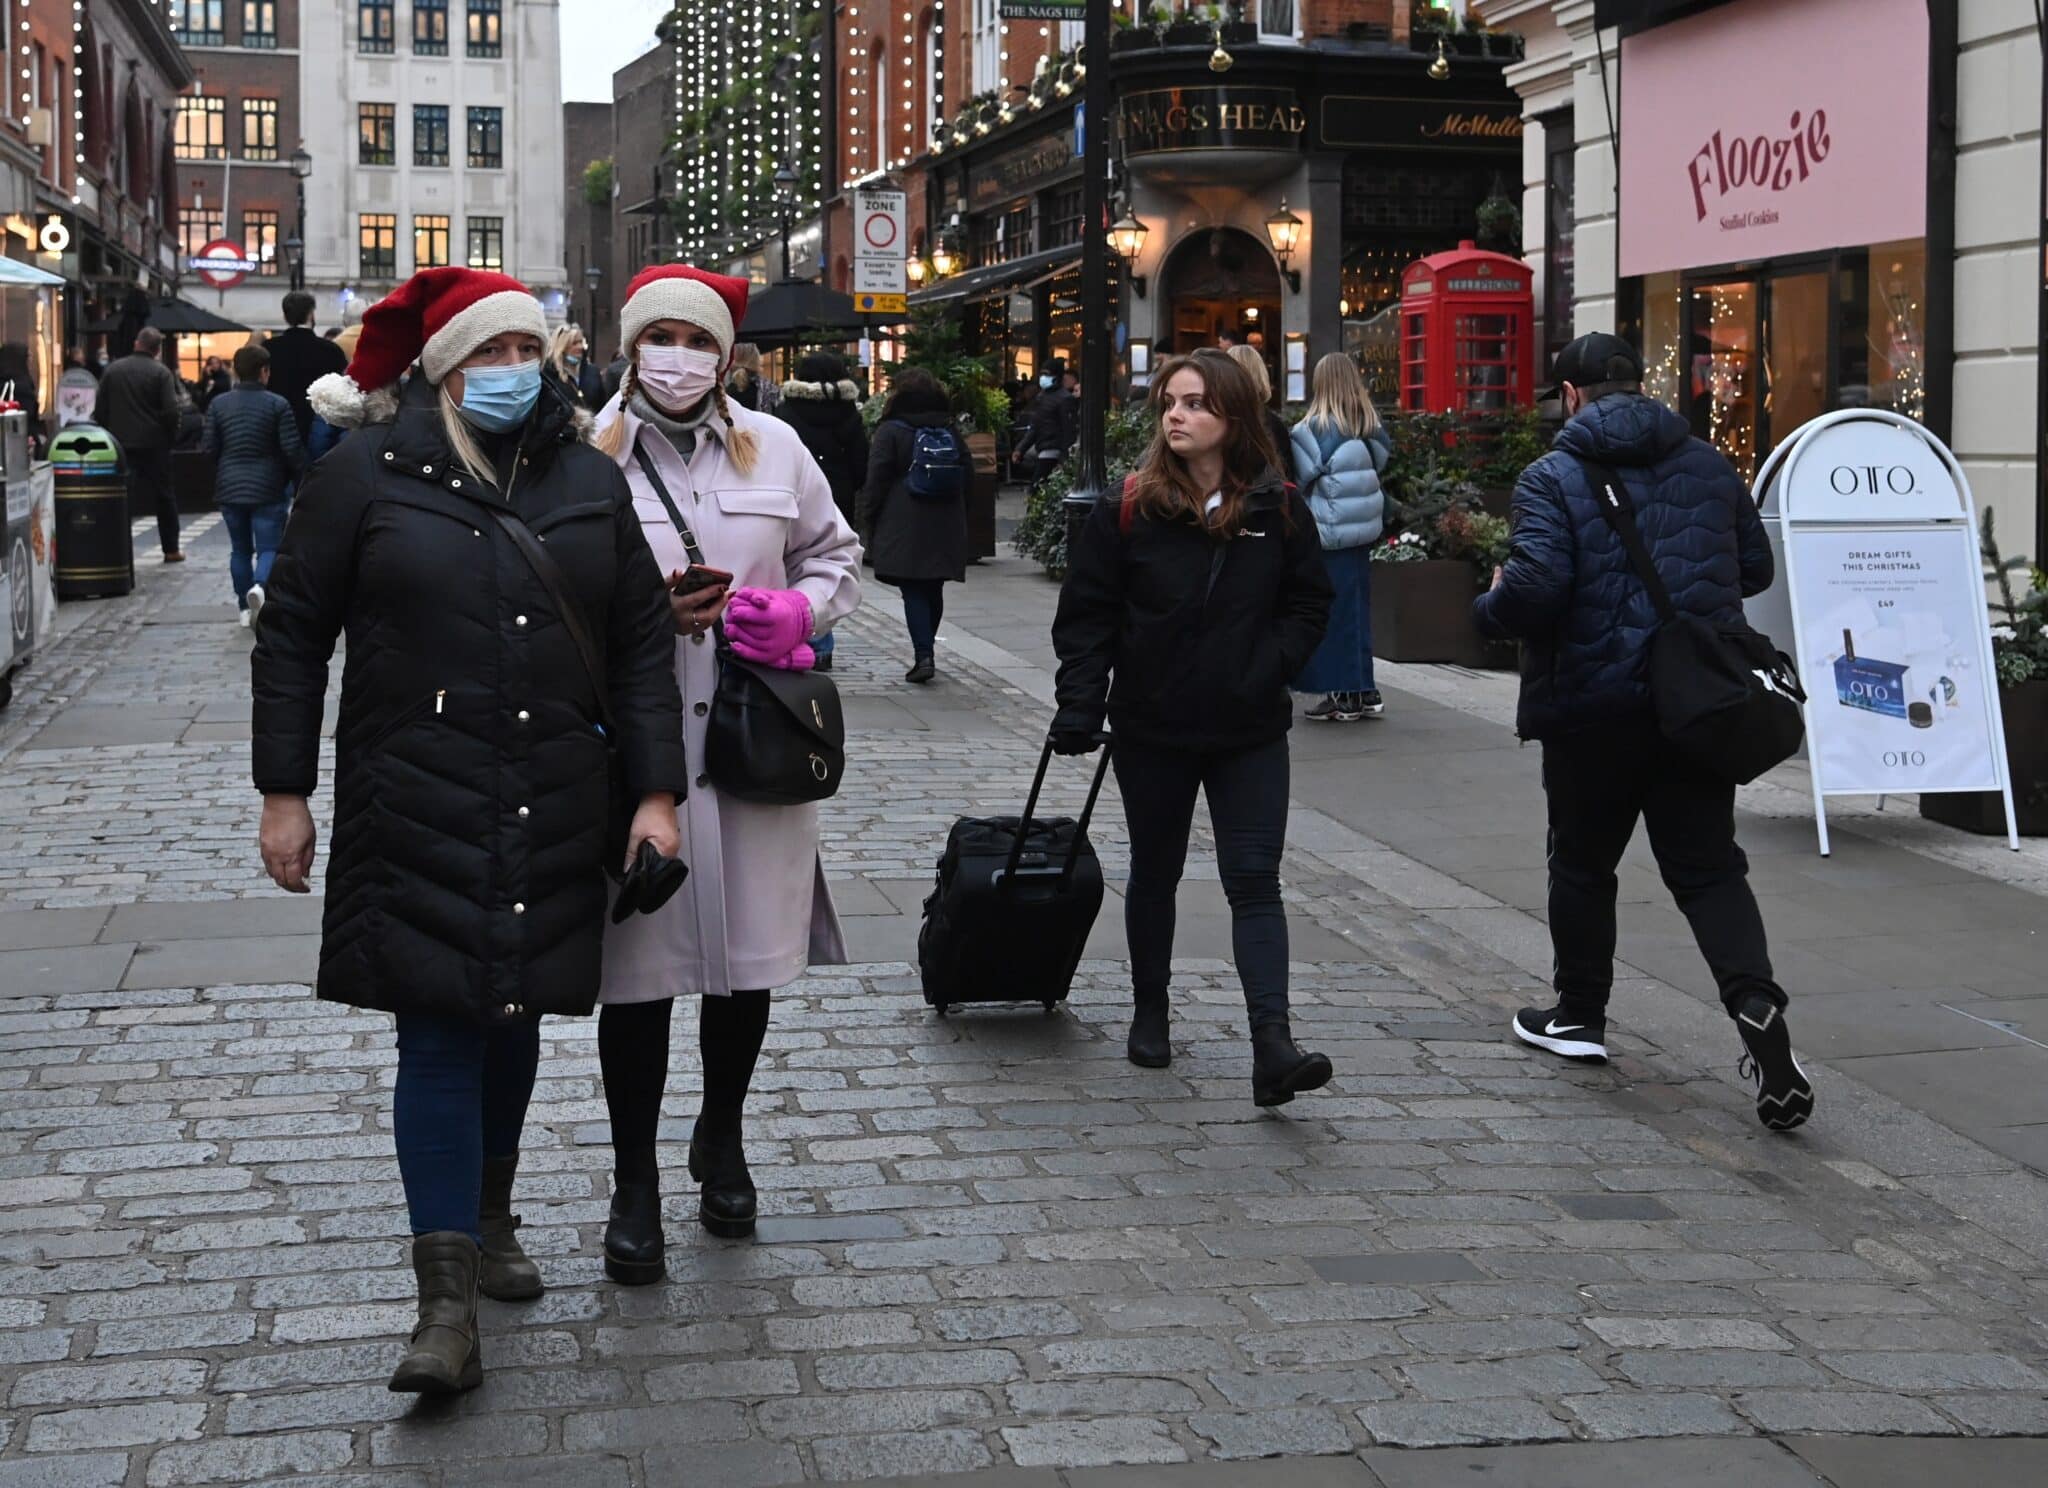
(1188, 606)
(778, 565)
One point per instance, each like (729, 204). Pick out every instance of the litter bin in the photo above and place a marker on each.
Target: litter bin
(95, 551)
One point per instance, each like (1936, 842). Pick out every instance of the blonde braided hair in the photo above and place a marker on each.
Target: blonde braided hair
(743, 445)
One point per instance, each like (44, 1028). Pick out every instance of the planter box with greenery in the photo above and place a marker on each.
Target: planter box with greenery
(1422, 611)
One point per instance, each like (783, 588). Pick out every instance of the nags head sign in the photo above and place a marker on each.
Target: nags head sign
(1760, 129)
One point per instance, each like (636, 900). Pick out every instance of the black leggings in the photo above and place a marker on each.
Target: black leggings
(1247, 794)
(632, 1051)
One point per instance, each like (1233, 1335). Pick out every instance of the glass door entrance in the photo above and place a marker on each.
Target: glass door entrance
(1757, 359)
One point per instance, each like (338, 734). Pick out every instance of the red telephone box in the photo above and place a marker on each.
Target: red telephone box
(1467, 332)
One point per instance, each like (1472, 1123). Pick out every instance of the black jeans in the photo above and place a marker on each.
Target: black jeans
(150, 487)
(924, 606)
(1247, 794)
(1598, 783)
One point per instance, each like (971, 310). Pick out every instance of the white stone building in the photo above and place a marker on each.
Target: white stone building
(436, 132)
(1892, 257)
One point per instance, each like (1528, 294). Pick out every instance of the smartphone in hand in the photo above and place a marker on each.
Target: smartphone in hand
(698, 578)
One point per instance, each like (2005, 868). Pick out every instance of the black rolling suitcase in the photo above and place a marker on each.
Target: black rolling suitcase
(1015, 901)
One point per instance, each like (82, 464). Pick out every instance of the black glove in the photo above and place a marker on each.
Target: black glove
(1073, 741)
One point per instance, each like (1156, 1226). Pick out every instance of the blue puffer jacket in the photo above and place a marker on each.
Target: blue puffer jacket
(1567, 591)
(1340, 479)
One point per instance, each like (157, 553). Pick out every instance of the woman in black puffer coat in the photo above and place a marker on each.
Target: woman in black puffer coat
(466, 882)
(917, 544)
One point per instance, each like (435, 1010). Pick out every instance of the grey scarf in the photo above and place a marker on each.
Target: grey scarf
(680, 432)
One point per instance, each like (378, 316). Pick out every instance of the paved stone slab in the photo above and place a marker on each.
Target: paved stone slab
(1678, 1464)
(52, 971)
(207, 961)
(1851, 1462)
(1392, 1267)
(34, 929)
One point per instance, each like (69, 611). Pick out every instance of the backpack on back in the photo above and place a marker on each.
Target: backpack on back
(938, 465)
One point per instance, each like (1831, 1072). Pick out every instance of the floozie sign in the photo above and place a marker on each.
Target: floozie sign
(1891, 631)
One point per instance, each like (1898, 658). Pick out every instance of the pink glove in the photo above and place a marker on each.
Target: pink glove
(802, 659)
(765, 625)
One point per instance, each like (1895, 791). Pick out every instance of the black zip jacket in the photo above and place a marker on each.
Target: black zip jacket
(1187, 641)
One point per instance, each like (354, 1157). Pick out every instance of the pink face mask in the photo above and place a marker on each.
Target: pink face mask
(675, 377)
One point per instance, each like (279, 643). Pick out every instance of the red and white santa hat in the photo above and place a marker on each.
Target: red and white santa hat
(437, 317)
(717, 302)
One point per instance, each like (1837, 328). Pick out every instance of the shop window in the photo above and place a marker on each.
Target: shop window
(202, 129)
(429, 243)
(430, 134)
(1560, 230)
(1883, 329)
(377, 237)
(430, 28)
(259, 129)
(486, 138)
(1276, 19)
(376, 134)
(196, 228)
(486, 28)
(259, 23)
(1062, 218)
(376, 25)
(198, 22)
(259, 239)
(487, 242)
(1659, 338)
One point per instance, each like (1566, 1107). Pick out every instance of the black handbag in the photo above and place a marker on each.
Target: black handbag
(1726, 697)
(773, 737)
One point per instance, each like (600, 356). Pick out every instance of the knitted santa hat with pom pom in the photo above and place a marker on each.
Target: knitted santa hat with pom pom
(717, 302)
(437, 317)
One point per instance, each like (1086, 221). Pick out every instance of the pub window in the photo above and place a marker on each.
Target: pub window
(430, 28)
(259, 129)
(1560, 229)
(1062, 218)
(197, 22)
(377, 235)
(259, 23)
(430, 134)
(196, 228)
(376, 134)
(202, 129)
(486, 138)
(1276, 18)
(376, 25)
(486, 28)
(487, 242)
(429, 243)
(259, 239)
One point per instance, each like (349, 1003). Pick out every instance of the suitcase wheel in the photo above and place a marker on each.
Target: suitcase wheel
(941, 1008)
(1051, 1008)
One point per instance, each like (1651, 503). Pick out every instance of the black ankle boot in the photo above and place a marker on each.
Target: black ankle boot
(1280, 1070)
(1147, 1045)
(718, 1161)
(923, 670)
(633, 1241)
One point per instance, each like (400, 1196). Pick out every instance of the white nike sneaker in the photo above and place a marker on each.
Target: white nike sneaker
(1572, 1035)
(256, 598)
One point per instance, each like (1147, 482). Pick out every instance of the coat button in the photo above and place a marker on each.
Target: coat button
(702, 708)
(519, 909)
(456, 484)
(524, 715)
(703, 780)
(389, 456)
(426, 470)
(519, 620)
(513, 1009)
(697, 639)
(525, 812)
(476, 532)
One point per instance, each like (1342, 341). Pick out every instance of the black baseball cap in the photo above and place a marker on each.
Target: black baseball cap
(1597, 357)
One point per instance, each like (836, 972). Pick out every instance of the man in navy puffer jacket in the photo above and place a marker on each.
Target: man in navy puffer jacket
(1569, 593)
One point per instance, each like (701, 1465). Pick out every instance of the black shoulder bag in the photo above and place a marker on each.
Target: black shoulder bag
(776, 738)
(1724, 695)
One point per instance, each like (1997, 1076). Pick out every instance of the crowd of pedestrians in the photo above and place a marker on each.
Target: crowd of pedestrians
(540, 804)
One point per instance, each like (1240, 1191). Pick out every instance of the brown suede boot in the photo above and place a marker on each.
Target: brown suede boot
(444, 1358)
(507, 1273)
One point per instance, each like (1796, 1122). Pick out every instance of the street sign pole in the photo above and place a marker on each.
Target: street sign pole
(1095, 308)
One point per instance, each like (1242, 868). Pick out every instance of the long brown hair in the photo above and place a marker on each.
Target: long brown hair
(1163, 489)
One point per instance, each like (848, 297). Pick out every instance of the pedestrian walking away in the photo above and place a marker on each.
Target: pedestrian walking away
(324, 436)
(823, 406)
(1340, 453)
(755, 912)
(747, 384)
(300, 357)
(1585, 620)
(1189, 603)
(258, 454)
(465, 892)
(913, 509)
(138, 404)
(569, 357)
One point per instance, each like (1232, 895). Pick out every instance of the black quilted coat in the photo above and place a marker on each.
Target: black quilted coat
(465, 876)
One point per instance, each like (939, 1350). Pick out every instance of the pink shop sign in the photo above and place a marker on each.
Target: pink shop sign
(1766, 128)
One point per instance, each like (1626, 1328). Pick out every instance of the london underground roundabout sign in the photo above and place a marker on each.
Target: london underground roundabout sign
(222, 264)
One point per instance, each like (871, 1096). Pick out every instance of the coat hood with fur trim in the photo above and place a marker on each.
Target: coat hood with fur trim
(844, 391)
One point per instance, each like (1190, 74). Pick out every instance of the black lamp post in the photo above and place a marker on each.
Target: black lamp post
(591, 275)
(1095, 340)
(302, 167)
(785, 204)
(295, 259)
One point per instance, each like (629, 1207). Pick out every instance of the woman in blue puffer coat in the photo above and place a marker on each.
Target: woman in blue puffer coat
(1339, 452)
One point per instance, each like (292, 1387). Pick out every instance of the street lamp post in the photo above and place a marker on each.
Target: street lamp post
(302, 167)
(785, 204)
(591, 275)
(1095, 339)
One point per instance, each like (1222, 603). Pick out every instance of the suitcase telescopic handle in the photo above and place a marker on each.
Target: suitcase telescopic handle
(1102, 742)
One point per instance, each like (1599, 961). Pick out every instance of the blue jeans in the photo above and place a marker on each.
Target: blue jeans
(461, 1097)
(821, 646)
(924, 605)
(254, 533)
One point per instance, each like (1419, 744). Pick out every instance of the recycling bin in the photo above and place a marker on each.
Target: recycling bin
(95, 551)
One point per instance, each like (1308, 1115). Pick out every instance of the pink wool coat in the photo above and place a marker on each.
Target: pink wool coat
(755, 910)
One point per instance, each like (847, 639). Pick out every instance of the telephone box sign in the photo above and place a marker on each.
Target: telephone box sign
(1737, 143)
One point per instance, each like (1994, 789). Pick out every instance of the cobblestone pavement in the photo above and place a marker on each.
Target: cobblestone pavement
(990, 1240)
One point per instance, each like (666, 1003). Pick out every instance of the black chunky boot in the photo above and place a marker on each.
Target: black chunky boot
(1280, 1070)
(718, 1161)
(1147, 1045)
(444, 1358)
(508, 1274)
(633, 1241)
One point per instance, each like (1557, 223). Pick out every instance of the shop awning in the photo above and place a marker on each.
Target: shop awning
(1001, 278)
(174, 317)
(14, 271)
(1641, 15)
(803, 311)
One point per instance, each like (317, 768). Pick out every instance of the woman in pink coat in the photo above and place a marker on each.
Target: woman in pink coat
(755, 911)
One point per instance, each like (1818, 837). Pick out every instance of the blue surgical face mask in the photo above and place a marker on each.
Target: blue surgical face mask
(499, 398)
